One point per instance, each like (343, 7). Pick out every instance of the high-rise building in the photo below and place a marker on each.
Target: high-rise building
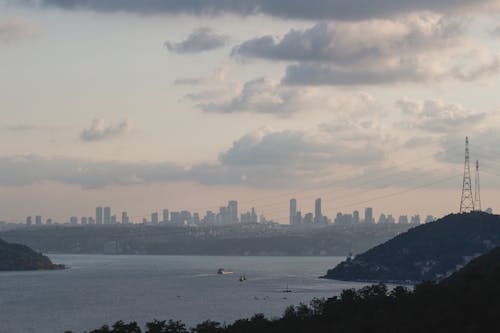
(318, 216)
(293, 211)
(369, 215)
(98, 215)
(403, 219)
(415, 219)
(113, 219)
(38, 220)
(29, 220)
(125, 218)
(355, 217)
(233, 211)
(165, 216)
(73, 220)
(154, 218)
(107, 215)
(49, 221)
(83, 220)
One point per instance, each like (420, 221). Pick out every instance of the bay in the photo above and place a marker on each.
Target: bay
(101, 289)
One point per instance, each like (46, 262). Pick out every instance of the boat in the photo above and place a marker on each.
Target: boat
(242, 278)
(222, 271)
(286, 290)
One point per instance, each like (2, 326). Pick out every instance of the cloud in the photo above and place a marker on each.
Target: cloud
(16, 29)
(263, 158)
(98, 132)
(264, 96)
(436, 116)
(310, 10)
(418, 47)
(356, 43)
(200, 40)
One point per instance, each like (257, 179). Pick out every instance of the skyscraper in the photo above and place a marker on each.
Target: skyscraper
(154, 218)
(38, 220)
(98, 215)
(318, 216)
(165, 216)
(355, 216)
(233, 211)
(125, 219)
(107, 215)
(369, 215)
(293, 211)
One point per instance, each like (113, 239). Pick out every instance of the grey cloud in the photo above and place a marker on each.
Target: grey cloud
(312, 9)
(98, 132)
(200, 40)
(260, 159)
(418, 47)
(347, 43)
(438, 117)
(263, 96)
(312, 74)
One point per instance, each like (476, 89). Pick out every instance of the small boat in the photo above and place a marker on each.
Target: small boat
(221, 271)
(242, 278)
(286, 290)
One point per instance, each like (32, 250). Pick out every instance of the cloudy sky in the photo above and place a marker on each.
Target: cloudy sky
(186, 104)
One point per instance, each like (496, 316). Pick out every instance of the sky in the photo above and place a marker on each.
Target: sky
(144, 105)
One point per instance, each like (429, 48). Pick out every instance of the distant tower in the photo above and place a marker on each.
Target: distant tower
(293, 211)
(467, 201)
(477, 190)
(318, 216)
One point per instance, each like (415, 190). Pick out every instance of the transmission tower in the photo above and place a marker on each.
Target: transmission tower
(477, 190)
(467, 202)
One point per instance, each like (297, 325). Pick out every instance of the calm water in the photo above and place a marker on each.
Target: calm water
(100, 289)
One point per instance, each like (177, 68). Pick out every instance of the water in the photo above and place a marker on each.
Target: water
(99, 289)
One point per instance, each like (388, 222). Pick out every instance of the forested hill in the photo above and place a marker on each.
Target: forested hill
(17, 257)
(427, 252)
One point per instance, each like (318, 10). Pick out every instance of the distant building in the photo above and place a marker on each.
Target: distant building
(113, 220)
(489, 210)
(165, 216)
(48, 222)
(308, 218)
(29, 221)
(415, 219)
(83, 220)
(293, 211)
(154, 218)
(233, 211)
(355, 217)
(73, 220)
(430, 218)
(318, 216)
(98, 215)
(125, 218)
(90, 220)
(38, 220)
(403, 219)
(107, 215)
(369, 215)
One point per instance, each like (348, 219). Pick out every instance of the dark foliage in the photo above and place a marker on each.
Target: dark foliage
(17, 257)
(428, 252)
(469, 301)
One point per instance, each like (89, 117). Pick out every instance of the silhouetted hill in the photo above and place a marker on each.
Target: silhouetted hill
(428, 252)
(17, 257)
(468, 301)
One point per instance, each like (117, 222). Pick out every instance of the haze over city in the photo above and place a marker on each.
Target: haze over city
(186, 105)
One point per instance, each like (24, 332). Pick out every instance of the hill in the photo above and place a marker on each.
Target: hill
(17, 257)
(428, 252)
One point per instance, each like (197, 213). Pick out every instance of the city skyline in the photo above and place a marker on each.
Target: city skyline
(134, 104)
